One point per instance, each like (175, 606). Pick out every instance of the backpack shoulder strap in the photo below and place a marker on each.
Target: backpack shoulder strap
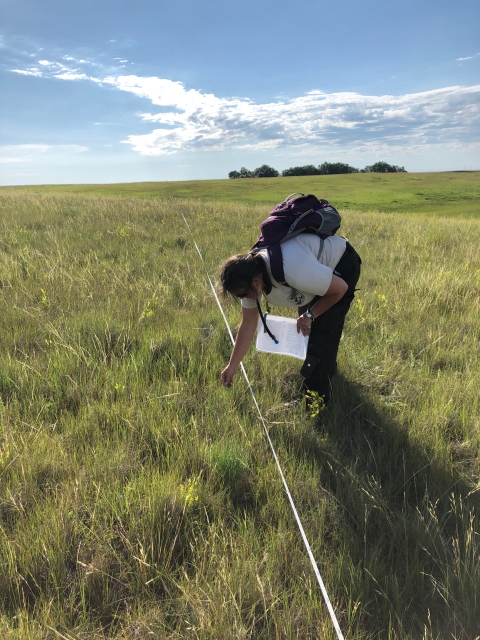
(276, 264)
(322, 242)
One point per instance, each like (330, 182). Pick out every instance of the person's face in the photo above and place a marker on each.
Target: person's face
(254, 291)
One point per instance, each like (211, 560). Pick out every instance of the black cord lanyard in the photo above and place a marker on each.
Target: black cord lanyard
(265, 322)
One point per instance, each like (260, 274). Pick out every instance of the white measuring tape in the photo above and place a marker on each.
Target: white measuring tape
(285, 485)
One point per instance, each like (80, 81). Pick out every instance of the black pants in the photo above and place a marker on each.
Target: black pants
(327, 329)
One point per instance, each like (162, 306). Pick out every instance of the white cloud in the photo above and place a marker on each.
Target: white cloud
(15, 153)
(203, 121)
(469, 57)
(69, 75)
(28, 72)
(45, 63)
(188, 119)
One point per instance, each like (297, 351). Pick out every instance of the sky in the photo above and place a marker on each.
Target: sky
(105, 91)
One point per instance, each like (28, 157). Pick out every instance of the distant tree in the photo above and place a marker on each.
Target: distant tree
(330, 168)
(265, 171)
(326, 168)
(384, 167)
(307, 170)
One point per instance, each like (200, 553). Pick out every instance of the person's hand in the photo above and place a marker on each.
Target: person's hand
(304, 325)
(227, 375)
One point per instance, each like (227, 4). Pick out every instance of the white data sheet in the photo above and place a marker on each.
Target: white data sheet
(290, 343)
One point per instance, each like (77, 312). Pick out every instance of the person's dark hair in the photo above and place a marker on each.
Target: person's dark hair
(238, 272)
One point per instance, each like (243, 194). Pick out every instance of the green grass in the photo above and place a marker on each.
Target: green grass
(139, 498)
(453, 193)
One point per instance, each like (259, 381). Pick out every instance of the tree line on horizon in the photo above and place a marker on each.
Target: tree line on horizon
(324, 169)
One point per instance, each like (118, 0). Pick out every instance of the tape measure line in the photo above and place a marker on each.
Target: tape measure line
(285, 485)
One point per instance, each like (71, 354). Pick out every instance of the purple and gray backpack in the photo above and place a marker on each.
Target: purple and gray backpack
(295, 215)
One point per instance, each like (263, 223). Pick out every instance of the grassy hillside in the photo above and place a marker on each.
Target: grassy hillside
(454, 193)
(139, 498)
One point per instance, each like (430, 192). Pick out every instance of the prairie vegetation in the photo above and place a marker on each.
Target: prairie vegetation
(436, 194)
(139, 498)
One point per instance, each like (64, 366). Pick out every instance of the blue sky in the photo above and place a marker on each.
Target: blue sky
(116, 91)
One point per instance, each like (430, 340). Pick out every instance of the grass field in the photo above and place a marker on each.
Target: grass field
(454, 193)
(139, 498)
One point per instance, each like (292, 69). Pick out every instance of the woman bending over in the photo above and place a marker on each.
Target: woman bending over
(322, 288)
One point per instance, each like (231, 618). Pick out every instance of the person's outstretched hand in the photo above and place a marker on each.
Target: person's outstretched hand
(227, 375)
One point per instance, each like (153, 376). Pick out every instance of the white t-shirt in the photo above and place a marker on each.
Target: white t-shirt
(307, 276)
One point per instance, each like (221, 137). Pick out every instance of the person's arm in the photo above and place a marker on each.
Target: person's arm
(245, 335)
(335, 292)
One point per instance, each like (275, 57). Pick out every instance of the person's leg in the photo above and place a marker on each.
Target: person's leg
(327, 329)
(323, 344)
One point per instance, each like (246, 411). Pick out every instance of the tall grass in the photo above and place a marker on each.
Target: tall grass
(138, 497)
(444, 193)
